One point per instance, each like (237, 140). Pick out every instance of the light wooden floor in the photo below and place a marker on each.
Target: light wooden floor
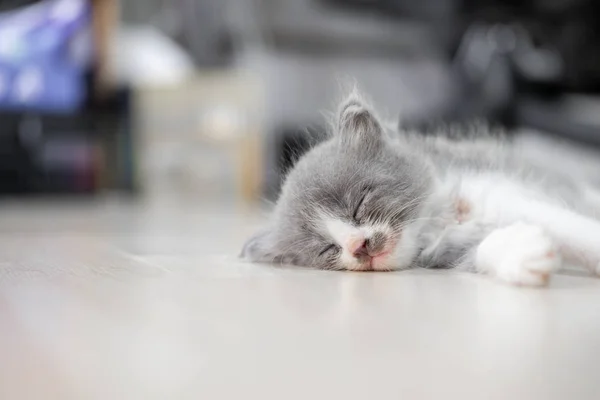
(133, 301)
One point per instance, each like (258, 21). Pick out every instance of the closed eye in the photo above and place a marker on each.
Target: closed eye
(357, 209)
(328, 249)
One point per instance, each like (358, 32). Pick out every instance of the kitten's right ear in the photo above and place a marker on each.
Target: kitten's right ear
(356, 123)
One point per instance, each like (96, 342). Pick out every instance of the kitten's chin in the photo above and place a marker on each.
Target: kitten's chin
(386, 263)
(383, 263)
(375, 266)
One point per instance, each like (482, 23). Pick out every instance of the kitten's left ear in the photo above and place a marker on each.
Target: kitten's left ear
(356, 122)
(256, 249)
(263, 248)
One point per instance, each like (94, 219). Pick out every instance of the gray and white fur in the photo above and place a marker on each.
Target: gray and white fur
(369, 199)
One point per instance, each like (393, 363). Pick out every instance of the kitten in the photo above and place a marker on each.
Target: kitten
(366, 200)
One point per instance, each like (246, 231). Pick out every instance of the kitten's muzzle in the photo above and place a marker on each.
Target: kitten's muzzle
(365, 249)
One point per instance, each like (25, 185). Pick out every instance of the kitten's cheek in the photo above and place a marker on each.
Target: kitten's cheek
(386, 263)
(404, 253)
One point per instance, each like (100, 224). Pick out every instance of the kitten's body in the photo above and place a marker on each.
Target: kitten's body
(372, 200)
(483, 183)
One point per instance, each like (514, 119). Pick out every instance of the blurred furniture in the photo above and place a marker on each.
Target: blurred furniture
(196, 25)
(202, 138)
(87, 152)
(200, 130)
(105, 19)
(532, 64)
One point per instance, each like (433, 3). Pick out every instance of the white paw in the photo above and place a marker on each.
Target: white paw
(520, 254)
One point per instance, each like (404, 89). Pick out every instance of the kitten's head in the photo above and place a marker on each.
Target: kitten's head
(351, 203)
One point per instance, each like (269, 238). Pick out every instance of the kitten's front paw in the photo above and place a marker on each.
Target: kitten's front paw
(520, 254)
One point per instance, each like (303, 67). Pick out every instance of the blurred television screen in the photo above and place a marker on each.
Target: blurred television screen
(45, 51)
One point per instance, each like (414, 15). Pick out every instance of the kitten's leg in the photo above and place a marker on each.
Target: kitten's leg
(454, 247)
(520, 254)
(524, 253)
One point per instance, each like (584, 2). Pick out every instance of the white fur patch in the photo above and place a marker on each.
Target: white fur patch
(340, 231)
(494, 199)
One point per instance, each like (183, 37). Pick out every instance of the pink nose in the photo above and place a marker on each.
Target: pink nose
(354, 243)
(360, 248)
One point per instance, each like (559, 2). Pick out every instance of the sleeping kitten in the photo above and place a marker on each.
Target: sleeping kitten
(365, 200)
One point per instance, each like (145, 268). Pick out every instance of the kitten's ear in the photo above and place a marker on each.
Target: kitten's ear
(256, 248)
(261, 247)
(356, 122)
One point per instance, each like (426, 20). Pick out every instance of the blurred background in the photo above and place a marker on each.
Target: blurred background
(211, 100)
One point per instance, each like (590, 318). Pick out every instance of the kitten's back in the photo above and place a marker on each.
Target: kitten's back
(478, 150)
